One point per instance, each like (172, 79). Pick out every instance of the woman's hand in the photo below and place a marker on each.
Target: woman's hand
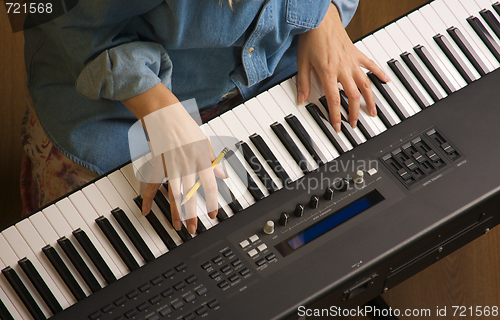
(181, 149)
(329, 51)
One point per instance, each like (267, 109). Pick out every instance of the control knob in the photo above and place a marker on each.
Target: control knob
(299, 210)
(313, 203)
(269, 227)
(284, 218)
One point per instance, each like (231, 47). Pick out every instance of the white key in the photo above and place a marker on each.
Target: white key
(80, 214)
(233, 182)
(40, 261)
(252, 126)
(128, 194)
(4, 297)
(234, 125)
(286, 96)
(220, 129)
(461, 16)
(102, 208)
(129, 173)
(419, 32)
(404, 44)
(262, 117)
(393, 51)
(439, 27)
(265, 99)
(274, 111)
(380, 55)
(115, 201)
(49, 236)
(62, 228)
(12, 301)
(10, 258)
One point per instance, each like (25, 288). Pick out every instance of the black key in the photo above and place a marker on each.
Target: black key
(344, 101)
(454, 58)
(79, 264)
(228, 196)
(4, 313)
(164, 206)
(221, 213)
(157, 226)
(257, 167)
(290, 146)
(266, 153)
(117, 243)
(23, 293)
(389, 96)
(306, 139)
(434, 68)
(243, 175)
(40, 285)
(467, 49)
(491, 20)
(496, 6)
(485, 36)
(421, 75)
(325, 125)
(94, 255)
(132, 234)
(408, 83)
(63, 272)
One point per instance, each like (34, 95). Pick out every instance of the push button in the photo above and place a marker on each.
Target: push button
(145, 287)
(179, 285)
(227, 253)
(244, 272)
(225, 269)
(252, 253)
(201, 310)
(236, 262)
(180, 267)
(169, 273)
(143, 306)
(165, 311)
(129, 314)
(94, 315)
(270, 256)
(223, 284)
(233, 278)
(212, 304)
(190, 297)
(177, 304)
(156, 280)
(206, 265)
(167, 292)
(217, 259)
(214, 274)
(244, 244)
(107, 308)
(260, 262)
(192, 278)
(254, 238)
(132, 294)
(118, 302)
(189, 316)
(201, 291)
(262, 247)
(155, 299)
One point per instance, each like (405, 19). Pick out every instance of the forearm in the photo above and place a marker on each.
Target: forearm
(150, 101)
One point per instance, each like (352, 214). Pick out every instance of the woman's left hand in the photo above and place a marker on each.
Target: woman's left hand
(328, 50)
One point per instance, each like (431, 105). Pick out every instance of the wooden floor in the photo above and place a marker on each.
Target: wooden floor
(469, 277)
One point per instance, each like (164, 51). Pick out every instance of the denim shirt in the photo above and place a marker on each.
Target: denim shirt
(82, 64)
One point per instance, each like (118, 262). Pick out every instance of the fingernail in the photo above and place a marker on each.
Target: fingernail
(336, 126)
(354, 124)
(373, 112)
(191, 228)
(177, 225)
(387, 79)
(226, 175)
(301, 98)
(145, 210)
(213, 214)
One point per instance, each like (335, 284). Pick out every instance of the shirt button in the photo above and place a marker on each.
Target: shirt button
(250, 50)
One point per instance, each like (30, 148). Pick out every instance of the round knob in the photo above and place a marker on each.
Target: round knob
(269, 227)
(328, 194)
(284, 218)
(342, 185)
(313, 203)
(299, 210)
(358, 177)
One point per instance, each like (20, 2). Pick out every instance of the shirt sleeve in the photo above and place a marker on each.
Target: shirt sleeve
(346, 8)
(105, 54)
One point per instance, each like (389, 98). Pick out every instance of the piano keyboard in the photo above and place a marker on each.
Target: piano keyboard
(94, 237)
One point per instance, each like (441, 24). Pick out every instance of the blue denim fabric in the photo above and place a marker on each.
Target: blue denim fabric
(83, 63)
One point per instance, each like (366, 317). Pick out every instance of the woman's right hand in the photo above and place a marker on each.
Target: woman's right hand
(182, 152)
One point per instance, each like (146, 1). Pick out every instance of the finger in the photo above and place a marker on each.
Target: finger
(352, 92)
(303, 80)
(207, 179)
(364, 86)
(369, 64)
(218, 170)
(333, 99)
(174, 194)
(149, 196)
(190, 206)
